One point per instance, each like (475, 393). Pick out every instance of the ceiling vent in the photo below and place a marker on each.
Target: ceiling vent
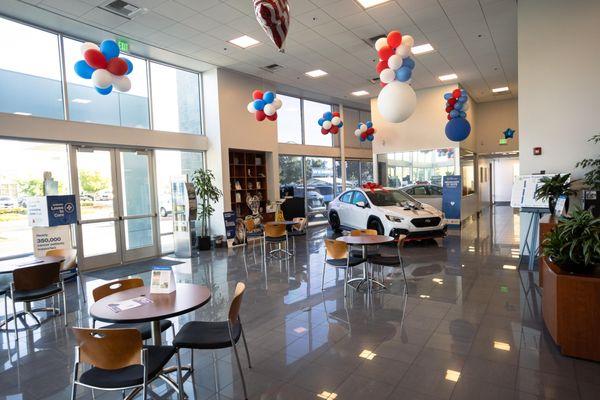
(272, 67)
(121, 8)
(371, 41)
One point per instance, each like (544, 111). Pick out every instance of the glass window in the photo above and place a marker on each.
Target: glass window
(121, 109)
(359, 196)
(435, 190)
(319, 186)
(175, 99)
(312, 131)
(418, 167)
(467, 168)
(29, 71)
(22, 168)
(290, 176)
(346, 197)
(352, 173)
(419, 191)
(366, 172)
(289, 122)
(171, 164)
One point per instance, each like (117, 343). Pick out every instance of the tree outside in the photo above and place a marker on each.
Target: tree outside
(92, 181)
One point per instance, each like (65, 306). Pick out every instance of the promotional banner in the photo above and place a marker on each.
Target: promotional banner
(47, 211)
(50, 238)
(451, 195)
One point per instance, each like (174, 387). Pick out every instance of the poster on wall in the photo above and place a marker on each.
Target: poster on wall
(50, 238)
(51, 210)
(451, 196)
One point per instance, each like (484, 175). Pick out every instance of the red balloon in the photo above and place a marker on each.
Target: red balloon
(334, 129)
(382, 84)
(260, 115)
(449, 117)
(336, 114)
(449, 108)
(117, 66)
(381, 65)
(95, 59)
(370, 131)
(394, 39)
(452, 101)
(257, 95)
(363, 135)
(324, 131)
(456, 94)
(385, 53)
(272, 117)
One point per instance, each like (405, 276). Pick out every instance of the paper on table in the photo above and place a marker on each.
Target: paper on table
(129, 304)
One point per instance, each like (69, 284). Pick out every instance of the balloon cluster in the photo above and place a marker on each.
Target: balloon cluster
(330, 122)
(365, 131)
(264, 105)
(397, 100)
(104, 67)
(457, 127)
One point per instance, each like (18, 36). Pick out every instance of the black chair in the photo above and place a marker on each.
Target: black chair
(337, 256)
(69, 268)
(119, 361)
(200, 335)
(392, 261)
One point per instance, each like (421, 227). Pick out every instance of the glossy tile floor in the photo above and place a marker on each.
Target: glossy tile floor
(469, 328)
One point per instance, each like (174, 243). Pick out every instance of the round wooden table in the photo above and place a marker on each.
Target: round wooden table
(188, 297)
(364, 241)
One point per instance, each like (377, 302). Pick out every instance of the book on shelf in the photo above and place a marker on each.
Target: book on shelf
(238, 197)
(238, 186)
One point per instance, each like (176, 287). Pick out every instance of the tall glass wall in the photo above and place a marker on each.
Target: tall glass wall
(297, 122)
(417, 167)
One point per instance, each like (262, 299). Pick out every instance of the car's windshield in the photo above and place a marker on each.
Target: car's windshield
(384, 198)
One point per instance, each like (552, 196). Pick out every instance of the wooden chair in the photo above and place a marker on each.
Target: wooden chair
(298, 229)
(200, 335)
(337, 256)
(118, 286)
(38, 282)
(275, 234)
(69, 267)
(119, 361)
(393, 261)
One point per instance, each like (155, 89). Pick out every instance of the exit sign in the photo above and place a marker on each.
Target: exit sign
(123, 45)
(502, 141)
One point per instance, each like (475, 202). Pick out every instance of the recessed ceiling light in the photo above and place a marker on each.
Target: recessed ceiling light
(360, 93)
(244, 41)
(448, 77)
(81, 101)
(21, 113)
(500, 89)
(371, 3)
(422, 48)
(501, 346)
(317, 73)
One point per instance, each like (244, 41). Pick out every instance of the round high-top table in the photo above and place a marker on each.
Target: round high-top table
(188, 297)
(364, 241)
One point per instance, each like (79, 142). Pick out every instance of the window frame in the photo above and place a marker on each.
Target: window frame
(302, 122)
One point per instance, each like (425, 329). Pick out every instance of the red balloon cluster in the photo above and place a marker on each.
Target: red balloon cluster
(264, 105)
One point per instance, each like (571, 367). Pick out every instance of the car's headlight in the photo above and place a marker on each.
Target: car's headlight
(394, 218)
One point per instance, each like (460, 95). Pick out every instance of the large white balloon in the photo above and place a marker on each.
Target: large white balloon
(336, 121)
(250, 107)
(387, 75)
(357, 132)
(327, 124)
(403, 50)
(395, 62)
(408, 41)
(269, 109)
(122, 83)
(380, 43)
(396, 102)
(277, 103)
(102, 78)
(88, 45)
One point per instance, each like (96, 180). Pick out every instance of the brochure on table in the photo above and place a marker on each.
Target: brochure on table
(129, 304)
(162, 280)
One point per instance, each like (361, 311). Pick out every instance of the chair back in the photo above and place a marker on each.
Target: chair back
(36, 276)
(69, 255)
(363, 232)
(300, 225)
(116, 286)
(109, 348)
(401, 240)
(275, 230)
(250, 225)
(335, 249)
(236, 303)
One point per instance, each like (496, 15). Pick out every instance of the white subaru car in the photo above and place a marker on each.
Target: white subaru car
(389, 211)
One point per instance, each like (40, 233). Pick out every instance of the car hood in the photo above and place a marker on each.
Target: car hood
(426, 211)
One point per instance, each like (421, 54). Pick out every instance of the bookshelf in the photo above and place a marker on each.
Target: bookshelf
(247, 175)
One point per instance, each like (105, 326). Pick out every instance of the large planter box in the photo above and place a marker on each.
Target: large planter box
(571, 310)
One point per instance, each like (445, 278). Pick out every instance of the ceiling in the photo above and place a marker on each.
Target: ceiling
(476, 39)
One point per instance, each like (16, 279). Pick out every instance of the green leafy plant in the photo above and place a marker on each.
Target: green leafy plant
(208, 194)
(575, 242)
(592, 177)
(554, 186)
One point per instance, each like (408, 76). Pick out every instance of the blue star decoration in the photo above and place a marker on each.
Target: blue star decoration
(509, 133)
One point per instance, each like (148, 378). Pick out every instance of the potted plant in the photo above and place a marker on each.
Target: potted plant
(554, 187)
(574, 244)
(208, 194)
(591, 179)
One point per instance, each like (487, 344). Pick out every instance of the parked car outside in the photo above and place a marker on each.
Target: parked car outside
(7, 202)
(425, 193)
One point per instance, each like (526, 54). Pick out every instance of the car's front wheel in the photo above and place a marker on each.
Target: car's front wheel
(334, 221)
(375, 224)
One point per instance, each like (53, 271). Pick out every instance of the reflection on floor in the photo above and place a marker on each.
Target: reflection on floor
(468, 329)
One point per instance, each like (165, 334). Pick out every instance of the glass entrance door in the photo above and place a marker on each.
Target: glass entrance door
(116, 215)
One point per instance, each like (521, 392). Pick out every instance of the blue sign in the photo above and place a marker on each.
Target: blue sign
(230, 218)
(451, 195)
(61, 210)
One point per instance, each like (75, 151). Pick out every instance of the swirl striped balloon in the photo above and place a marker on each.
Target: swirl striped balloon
(274, 17)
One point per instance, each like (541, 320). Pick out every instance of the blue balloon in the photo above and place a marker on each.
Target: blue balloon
(403, 74)
(110, 49)
(463, 98)
(458, 129)
(458, 105)
(369, 124)
(454, 114)
(447, 96)
(340, 124)
(268, 97)
(83, 69)
(463, 92)
(358, 126)
(259, 104)
(129, 66)
(327, 116)
(321, 120)
(370, 138)
(409, 63)
(104, 91)
(463, 114)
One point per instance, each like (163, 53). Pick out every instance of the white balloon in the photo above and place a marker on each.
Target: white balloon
(357, 132)
(102, 78)
(363, 127)
(387, 75)
(122, 83)
(88, 45)
(465, 106)
(277, 103)
(250, 107)
(380, 43)
(336, 121)
(269, 109)
(395, 62)
(408, 41)
(403, 50)
(327, 124)
(396, 102)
